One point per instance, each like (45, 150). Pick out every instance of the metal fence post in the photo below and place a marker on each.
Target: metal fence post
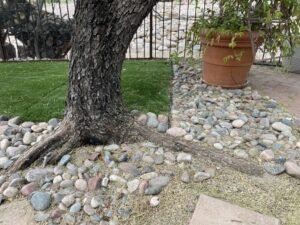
(151, 35)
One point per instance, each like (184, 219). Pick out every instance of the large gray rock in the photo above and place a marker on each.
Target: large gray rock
(156, 185)
(279, 126)
(40, 201)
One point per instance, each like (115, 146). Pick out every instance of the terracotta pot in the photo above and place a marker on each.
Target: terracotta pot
(230, 74)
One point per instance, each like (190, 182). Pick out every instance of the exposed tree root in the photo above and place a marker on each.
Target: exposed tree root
(224, 159)
(65, 139)
(43, 148)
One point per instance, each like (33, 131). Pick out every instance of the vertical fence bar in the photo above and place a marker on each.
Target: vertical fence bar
(144, 39)
(151, 35)
(155, 21)
(178, 31)
(163, 34)
(186, 27)
(171, 24)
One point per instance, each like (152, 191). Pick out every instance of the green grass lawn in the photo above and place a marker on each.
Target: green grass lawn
(36, 91)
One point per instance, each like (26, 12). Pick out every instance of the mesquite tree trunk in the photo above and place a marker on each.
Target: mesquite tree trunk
(102, 34)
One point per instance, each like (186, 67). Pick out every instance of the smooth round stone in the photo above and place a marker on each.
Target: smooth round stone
(28, 138)
(4, 144)
(292, 169)
(279, 126)
(142, 119)
(5, 162)
(66, 183)
(188, 137)
(218, 146)
(10, 192)
(40, 201)
(81, 184)
(64, 160)
(185, 177)
(68, 200)
(75, 208)
(14, 121)
(133, 185)
(176, 132)
(29, 188)
(152, 122)
(298, 144)
(117, 179)
(201, 176)
(162, 127)
(53, 122)
(88, 210)
(14, 151)
(267, 155)
(238, 123)
(154, 201)
(57, 179)
(274, 168)
(184, 157)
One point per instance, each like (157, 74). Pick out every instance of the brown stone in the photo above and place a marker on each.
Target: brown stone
(94, 183)
(212, 211)
(28, 189)
(56, 213)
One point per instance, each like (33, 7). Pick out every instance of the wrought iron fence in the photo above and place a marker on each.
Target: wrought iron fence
(41, 29)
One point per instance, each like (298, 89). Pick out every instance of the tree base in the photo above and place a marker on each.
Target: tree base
(65, 139)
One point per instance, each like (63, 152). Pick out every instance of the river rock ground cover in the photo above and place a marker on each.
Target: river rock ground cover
(142, 183)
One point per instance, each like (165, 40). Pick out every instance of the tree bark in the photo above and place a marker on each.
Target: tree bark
(102, 34)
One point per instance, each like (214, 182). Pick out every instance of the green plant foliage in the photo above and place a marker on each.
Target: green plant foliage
(276, 21)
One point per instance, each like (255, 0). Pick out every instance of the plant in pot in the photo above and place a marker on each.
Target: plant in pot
(231, 33)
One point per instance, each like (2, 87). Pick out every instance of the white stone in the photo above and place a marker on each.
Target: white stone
(117, 179)
(95, 202)
(154, 201)
(5, 143)
(238, 123)
(81, 184)
(184, 157)
(281, 127)
(10, 192)
(218, 146)
(133, 185)
(57, 179)
(176, 132)
(188, 137)
(68, 200)
(104, 182)
(298, 144)
(28, 138)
